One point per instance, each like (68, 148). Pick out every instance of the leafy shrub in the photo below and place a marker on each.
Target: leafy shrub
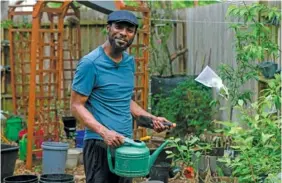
(260, 143)
(188, 105)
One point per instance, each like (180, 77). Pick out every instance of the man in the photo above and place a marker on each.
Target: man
(101, 97)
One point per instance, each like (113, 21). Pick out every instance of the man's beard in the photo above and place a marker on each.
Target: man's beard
(119, 44)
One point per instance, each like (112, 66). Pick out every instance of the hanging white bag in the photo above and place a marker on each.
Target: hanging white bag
(210, 79)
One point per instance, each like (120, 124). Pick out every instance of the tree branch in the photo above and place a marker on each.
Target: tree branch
(177, 54)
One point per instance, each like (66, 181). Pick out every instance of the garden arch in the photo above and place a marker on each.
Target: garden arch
(43, 56)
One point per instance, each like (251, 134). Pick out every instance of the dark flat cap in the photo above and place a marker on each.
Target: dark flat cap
(122, 16)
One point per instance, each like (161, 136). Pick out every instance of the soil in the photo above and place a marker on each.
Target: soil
(78, 173)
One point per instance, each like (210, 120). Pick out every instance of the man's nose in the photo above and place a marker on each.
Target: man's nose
(123, 31)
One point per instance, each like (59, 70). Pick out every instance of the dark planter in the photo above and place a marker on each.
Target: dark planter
(52, 178)
(69, 125)
(21, 179)
(161, 169)
(163, 85)
(9, 155)
(268, 69)
(160, 172)
(217, 151)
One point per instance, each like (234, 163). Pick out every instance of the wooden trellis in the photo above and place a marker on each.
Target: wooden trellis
(43, 59)
(20, 42)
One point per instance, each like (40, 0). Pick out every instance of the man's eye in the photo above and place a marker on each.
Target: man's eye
(130, 30)
(118, 27)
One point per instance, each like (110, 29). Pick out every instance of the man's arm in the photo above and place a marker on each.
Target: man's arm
(137, 111)
(79, 111)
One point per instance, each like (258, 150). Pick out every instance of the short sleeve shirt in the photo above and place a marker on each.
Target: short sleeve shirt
(109, 88)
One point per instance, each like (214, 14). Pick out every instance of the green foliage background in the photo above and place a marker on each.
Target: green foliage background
(188, 105)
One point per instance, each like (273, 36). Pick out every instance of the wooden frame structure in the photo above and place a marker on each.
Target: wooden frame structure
(43, 59)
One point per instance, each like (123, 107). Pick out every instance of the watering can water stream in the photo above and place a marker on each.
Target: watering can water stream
(133, 158)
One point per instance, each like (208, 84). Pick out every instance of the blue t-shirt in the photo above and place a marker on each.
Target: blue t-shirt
(109, 88)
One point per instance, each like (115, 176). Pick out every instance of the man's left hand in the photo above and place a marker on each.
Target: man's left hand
(158, 124)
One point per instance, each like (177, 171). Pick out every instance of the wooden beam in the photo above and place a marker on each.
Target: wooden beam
(32, 97)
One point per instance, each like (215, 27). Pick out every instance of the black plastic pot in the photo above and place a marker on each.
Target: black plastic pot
(217, 151)
(160, 172)
(9, 155)
(69, 125)
(21, 179)
(53, 178)
(163, 85)
(268, 69)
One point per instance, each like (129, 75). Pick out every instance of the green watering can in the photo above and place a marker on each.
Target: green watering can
(133, 158)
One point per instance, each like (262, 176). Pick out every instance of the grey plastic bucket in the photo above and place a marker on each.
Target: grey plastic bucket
(21, 179)
(54, 157)
(53, 178)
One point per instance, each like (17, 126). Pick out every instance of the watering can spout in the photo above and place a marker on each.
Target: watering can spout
(154, 156)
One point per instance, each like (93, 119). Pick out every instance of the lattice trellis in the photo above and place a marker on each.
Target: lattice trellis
(43, 59)
(20, 68)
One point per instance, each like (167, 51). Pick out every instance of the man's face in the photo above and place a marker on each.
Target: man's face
(121, 35)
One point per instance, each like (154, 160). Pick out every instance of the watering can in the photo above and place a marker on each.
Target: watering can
(133, 158)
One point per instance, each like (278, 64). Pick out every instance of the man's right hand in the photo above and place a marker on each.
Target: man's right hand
(112, 138)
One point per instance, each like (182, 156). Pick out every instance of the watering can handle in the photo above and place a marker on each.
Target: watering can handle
(128, 141)
(110, 162)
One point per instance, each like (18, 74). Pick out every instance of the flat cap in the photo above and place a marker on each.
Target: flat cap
(122, 16)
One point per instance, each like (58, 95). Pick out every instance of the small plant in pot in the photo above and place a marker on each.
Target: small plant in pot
(182, 155)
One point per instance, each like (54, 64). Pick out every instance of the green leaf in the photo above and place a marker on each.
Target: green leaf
(184, 148)
(257, 117)
(177, 140)
(170, 156)
(249, 140)
(231, 9)
(240, 102)
(235, 147)
(265, 137)
(272, 84)
(168, 152)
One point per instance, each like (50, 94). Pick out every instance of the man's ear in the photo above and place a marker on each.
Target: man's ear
(108, 28)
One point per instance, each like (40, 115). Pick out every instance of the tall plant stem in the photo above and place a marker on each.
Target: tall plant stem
(252, 168)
